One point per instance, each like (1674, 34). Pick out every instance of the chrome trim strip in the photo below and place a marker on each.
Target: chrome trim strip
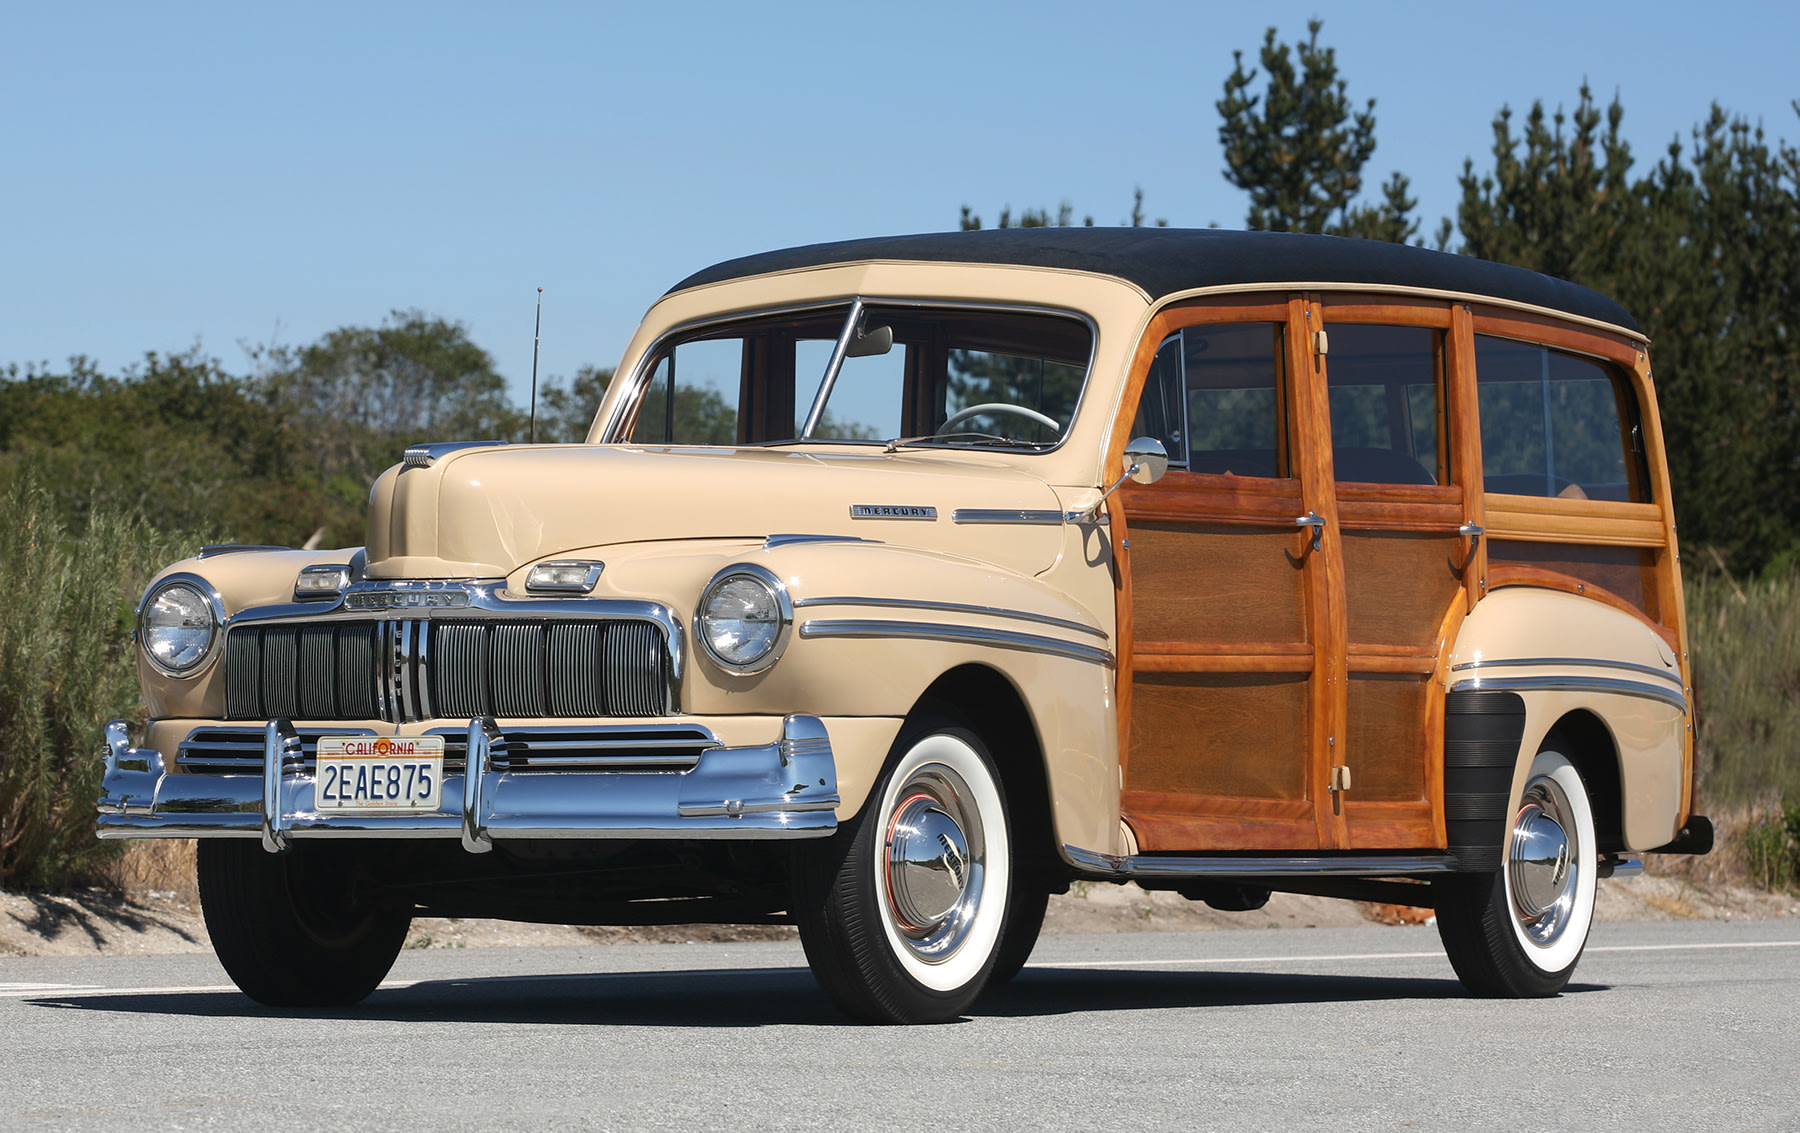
(1585, 662)
(213, 550)
(839, 351)
(425, 455)
(1047, 517)
(1575, 684)
(784, 789)
(422, 668)
(641, 375)
(959, 635)
(775, 541)
(1360, 865)
(954, 608)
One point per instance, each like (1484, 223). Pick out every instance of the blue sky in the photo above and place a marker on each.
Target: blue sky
(252, 173)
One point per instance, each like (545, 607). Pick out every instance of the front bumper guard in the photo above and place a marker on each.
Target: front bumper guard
(787, 789)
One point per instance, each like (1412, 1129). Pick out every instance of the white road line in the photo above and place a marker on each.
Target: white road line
(83, 991)
(1402, 955)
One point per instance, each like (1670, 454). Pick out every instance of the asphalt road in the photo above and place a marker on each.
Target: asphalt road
(1666, 1026)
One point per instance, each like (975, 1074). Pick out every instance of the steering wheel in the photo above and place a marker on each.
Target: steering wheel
(962, 415)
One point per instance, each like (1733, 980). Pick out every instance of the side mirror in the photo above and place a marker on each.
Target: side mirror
(1146, 460)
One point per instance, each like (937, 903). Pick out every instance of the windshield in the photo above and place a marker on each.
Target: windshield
(870, 373)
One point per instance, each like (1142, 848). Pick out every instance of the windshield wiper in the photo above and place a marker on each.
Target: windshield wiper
(970, 437)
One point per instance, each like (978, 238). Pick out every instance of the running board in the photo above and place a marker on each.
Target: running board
(1222, 866)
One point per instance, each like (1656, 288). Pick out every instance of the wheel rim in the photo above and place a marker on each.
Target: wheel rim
(1542, 862)
(933, 863)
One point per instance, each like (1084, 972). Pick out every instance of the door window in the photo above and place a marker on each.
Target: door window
(1385, 384)
(1213, 398)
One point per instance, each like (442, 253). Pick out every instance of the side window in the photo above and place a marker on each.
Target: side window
(1554, 424)
(1213, 397)
(1385, 384)
(693, 395)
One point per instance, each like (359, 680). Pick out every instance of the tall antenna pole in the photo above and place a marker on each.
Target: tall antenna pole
(535, 328)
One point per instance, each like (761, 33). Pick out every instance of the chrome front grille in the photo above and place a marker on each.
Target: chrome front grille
(402, 670)
(646, 748)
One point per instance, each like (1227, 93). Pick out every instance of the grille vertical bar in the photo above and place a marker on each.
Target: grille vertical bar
(243, 673)
(279, 662)
(356, 671)
(318, 645)
(632, 669)
(574, 678)
(461, 669)
(518, 655)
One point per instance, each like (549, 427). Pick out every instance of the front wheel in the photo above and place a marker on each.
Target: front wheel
(1519, 932)
(901, 911)
(290, 929)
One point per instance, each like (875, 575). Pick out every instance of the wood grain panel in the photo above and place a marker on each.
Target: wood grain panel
(1387, 737)
(1399, 584)
(1391, 826)
(1215, 584)
(1581, 521)
(1200, 824)
(1232, 735)
(1389, 310)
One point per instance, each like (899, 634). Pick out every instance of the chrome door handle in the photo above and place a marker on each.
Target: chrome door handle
(1473, 533)
(1315, 521)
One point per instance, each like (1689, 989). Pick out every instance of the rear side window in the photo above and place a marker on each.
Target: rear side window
(1556, 425)
(1213, 397)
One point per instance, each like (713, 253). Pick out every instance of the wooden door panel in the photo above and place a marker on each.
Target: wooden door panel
(1398, 585)
(1215, 583)
(1223, 734)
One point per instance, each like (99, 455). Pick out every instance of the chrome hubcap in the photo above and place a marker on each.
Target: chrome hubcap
(1541, 863)
(933, 862)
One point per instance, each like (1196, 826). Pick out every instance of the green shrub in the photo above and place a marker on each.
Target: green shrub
(1772, 848)
(1745, 641)
(65, 669)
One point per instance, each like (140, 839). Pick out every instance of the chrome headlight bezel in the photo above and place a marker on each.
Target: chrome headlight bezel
(784, 606)
(215, 608)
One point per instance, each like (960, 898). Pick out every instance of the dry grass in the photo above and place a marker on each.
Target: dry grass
(163, 867)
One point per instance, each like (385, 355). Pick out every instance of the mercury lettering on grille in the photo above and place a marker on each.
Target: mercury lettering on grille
(420, 669)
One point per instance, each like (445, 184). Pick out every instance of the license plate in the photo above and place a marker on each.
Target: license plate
(379, 773)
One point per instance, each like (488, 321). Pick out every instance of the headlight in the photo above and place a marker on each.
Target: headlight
(178, 624)
(743, 618)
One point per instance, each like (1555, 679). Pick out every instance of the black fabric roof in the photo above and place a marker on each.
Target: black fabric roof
(1166, 260)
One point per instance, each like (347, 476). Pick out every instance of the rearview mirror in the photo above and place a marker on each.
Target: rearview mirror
(868, 343)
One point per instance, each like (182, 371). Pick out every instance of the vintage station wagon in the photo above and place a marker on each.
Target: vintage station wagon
(901, 582)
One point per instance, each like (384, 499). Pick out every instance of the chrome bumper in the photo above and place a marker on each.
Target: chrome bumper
(787, 789)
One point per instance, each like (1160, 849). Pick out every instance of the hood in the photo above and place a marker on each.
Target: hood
(483, 512)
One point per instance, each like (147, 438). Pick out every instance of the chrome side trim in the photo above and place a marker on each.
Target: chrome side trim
(425, 455)
(213, 550)
(954, 608)
(790, 540)
(1583, 662)
(1046, 517)
(1576, 684)
(784, 789)
(959, 635)
(1360, 865)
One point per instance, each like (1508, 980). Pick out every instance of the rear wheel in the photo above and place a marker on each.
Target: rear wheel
(901, 912)
(289, 928)
(1519, 932)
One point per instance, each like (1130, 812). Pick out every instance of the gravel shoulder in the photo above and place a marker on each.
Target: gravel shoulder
(95, 922)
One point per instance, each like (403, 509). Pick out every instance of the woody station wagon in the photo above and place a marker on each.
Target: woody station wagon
(901, 582)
